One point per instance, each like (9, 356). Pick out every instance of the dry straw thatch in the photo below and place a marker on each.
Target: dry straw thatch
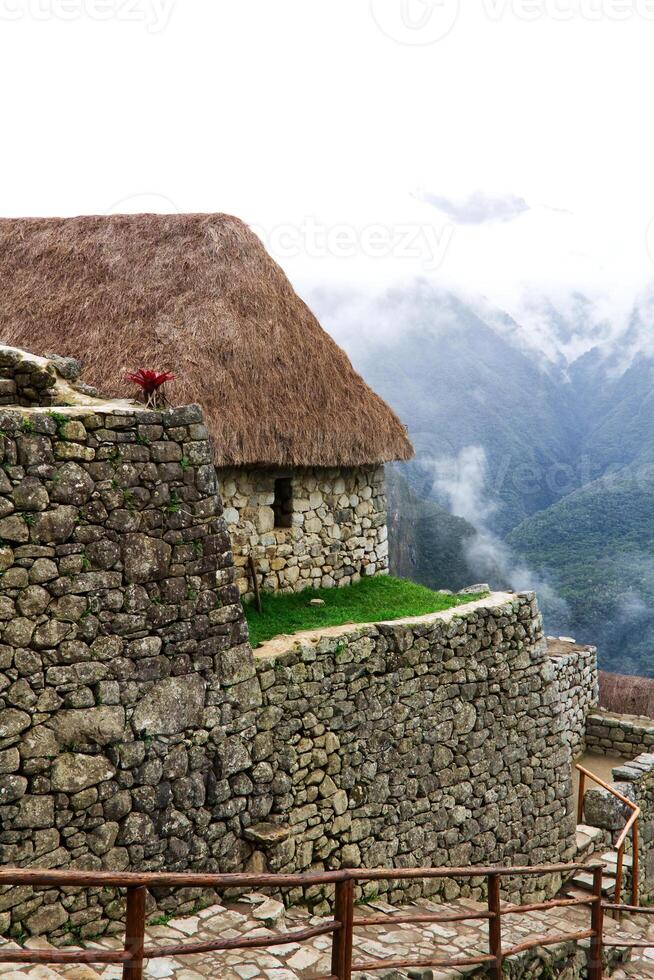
(626, 695)
(200, 296)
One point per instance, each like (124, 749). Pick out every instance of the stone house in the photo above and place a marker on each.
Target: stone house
(299, 439)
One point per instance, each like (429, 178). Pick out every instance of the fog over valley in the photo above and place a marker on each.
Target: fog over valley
(534, 448)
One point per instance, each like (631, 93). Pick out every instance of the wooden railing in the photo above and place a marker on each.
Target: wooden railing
(631, 826)
(341, 926)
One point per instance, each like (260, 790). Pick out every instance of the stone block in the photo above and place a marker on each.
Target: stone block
(602, 809)
(171, 706)
(146, 559)
(14, 529)
(53, 526)
(35, 812)
(73, 772)
(89, 726)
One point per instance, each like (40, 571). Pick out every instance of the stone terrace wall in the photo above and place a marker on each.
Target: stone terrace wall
(575, 669)
(614, 734)
(136, 731)
(432, 742)
(338, 530)
(638, 776)
(635, 780)
(25, 379)
(124, 664)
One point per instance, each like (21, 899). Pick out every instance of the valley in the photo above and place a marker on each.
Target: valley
(534, 467)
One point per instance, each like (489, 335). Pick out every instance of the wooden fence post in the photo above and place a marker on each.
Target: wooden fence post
(494, 927)
(342, 940)
(580, 798)
(135, 933)
(634, 864)
(597, 925)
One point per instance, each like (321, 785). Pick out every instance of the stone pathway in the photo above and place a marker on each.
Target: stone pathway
(264, 916)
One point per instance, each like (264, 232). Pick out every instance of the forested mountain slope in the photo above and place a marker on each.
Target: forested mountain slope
(533, 466)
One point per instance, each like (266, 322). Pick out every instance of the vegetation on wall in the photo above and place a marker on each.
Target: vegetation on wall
(371, 600)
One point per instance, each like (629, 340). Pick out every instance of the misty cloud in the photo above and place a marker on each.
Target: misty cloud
(479, 207)
(462, 481)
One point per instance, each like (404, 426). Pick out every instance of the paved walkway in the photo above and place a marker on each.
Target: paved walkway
(264, 916)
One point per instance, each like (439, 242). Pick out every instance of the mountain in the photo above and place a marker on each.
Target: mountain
(427, 544)
(534, 452)
(597, 548)
(456, 381)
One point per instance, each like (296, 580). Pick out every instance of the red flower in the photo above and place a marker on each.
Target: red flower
(149, 381)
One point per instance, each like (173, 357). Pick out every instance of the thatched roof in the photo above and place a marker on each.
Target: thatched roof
(626, 694)
(200, 296)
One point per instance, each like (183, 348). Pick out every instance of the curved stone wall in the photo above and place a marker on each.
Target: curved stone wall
(138, 732)
(123, 654)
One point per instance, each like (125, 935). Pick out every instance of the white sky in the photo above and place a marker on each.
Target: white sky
(329, 124)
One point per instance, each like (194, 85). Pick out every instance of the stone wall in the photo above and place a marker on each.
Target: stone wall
(125, 670)
(637, 777)
(438, 741)
(138, 732)
(337, 529)
(575, 669)
(635, 780)
(614, 734)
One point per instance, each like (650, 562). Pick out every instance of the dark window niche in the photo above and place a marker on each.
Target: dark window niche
(283, 503)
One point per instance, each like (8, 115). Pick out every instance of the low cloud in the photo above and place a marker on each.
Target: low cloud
(462, 480)
(478, 208)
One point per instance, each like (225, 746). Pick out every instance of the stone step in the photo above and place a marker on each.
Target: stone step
(584, 881)
(588, 839)
(611, 859)
(573, 892)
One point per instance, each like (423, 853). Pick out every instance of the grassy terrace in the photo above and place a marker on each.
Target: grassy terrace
(370, 600)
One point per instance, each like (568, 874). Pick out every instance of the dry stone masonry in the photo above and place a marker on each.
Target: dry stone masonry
(429, 742)
(123, 653)
(137, 730)
(575, 669)
(614, 734)
(336, 526)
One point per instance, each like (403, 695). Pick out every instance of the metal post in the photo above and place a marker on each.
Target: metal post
(135, 933)
(597, 925)
(494, 927)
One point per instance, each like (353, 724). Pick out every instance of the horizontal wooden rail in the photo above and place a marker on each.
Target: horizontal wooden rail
(554, 903)
(630, 910)
(390, 919)
(632, 944)
(634, 909)
(372, 965)
(548, 940)
(244, 879)
(341, 926)
(253, 942)
(481, 871)
(164, 879)
(62, 955)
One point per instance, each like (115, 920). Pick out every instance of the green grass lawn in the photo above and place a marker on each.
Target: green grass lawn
(370, 600)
